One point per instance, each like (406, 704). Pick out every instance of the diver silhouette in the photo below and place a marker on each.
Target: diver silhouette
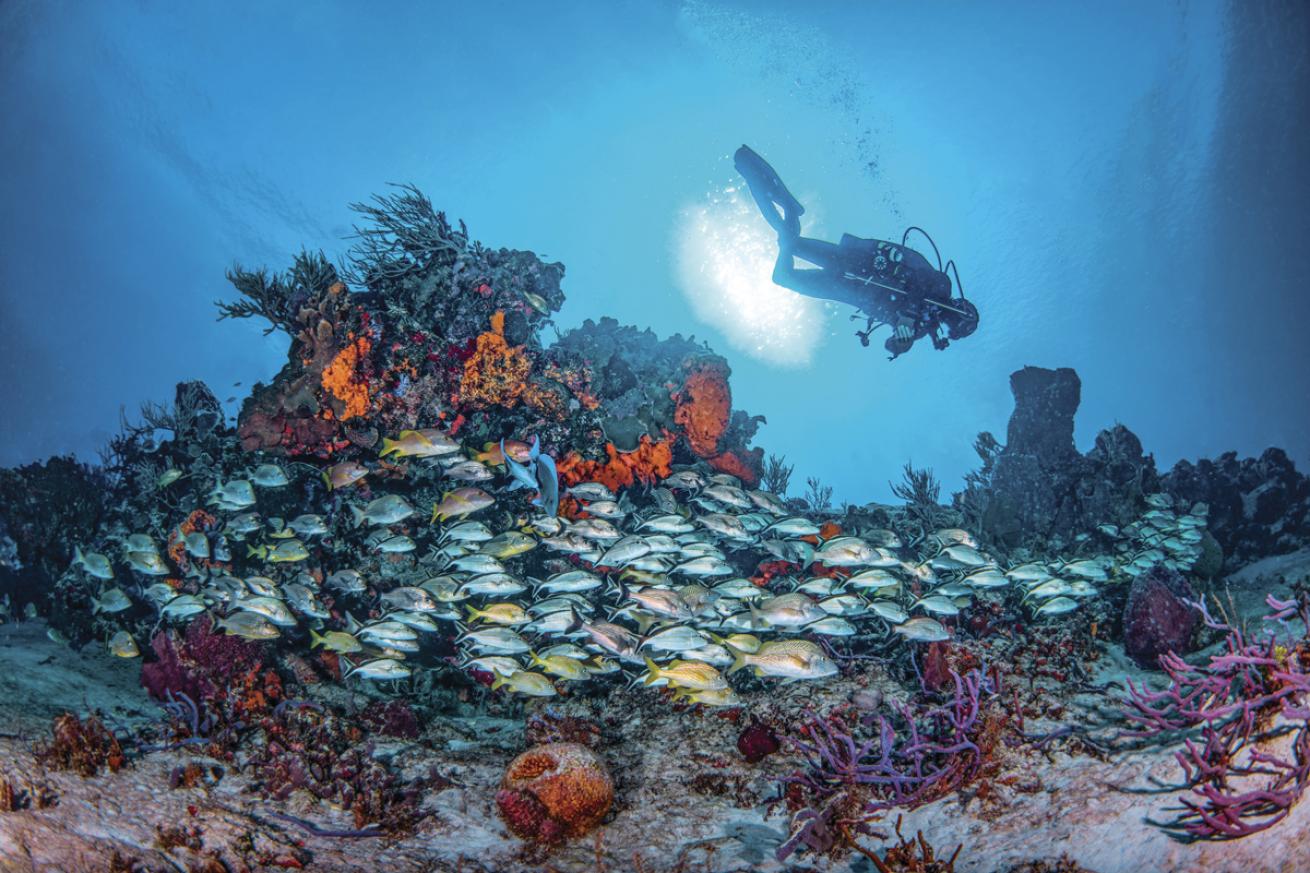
(889, 282)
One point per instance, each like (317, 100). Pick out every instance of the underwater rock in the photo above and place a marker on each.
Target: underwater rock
(555, 791)
(1156, 618)
(1038, 486)
(1258, 506)
(757, 741)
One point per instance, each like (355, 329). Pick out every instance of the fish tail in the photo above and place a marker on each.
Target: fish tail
(252, 551)
(388, 447)
(78, 557)
(357, 515)
(758, 621)
(738, 661)
(653, 673)
(315, 639)
(327, 480)
(473, 613)
(498, 681)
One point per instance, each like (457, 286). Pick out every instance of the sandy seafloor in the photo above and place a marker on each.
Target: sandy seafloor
(663, 819)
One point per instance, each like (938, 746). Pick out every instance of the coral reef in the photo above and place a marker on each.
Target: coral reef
(555, 791)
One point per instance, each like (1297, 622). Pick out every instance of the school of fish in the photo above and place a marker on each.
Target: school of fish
(651, 594)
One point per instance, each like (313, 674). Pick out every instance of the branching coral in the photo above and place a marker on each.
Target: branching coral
(648, 464)
(926, 752)
(1235, 699)
(496, 373)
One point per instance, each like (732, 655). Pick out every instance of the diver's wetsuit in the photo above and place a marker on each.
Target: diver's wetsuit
(890, 283)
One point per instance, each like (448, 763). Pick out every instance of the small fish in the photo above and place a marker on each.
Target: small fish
(348, 581)
(795, 526)
(938, 604)
(492, 584)
(537, 302)
(196, 544)
(269, 476)
(748, 643)
(890, 611)
(590, 491)
(139, 542)
(95, 564)
(182, 606)
(166, 478)
(705, 566)
(410, 598)
(287, 551)
(790, 659)
(461, 502)
(1057, 606)
(678, 638)
(923, 630)
(613, 638)
(624, 552)
(243, 524)
(495, 453)
(378, 668)
(786, 610)
(427, 443)
(236, 494)
(395, 545)
(122, 645)
(468, 471)
(248, 625)
(573, 580)
(689, 674)
(508, 614)
(384, 510)
(560, 665)
(308, 525)
(509, 544)
(335, 641)
(148, 562)
(832, 626)
(714, 697)
(113, 600)
(271, 608)
(496, 665)
(525, 682)
(344, 474)
(495, 640)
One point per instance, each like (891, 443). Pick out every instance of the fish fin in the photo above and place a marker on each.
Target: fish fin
(357, 515)
(654, 671)
(315, 639)
(388, 446)
(738, 661)
(535, 451)
(327, 480)
(758, 622)
(497, 681)
(473, 613)
(78, 557)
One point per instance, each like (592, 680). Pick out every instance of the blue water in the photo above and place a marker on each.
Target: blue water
(1122, 186)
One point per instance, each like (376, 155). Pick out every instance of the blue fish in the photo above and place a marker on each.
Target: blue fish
(521, 476)
(548, 485)
(539, 474)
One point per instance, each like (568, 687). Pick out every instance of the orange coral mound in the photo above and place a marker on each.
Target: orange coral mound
(343, 380)
(731, 462)
(555, 791)
(648, 463)
(496, 373)
(703, 406)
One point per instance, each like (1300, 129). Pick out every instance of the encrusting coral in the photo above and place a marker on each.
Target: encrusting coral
(555, 791)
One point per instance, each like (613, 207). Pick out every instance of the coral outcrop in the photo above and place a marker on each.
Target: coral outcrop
(1157, 618)
(555, 791)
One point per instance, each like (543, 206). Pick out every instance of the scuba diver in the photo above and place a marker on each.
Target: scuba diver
(890, 283)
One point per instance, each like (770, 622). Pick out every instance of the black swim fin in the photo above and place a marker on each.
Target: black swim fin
(768, 190)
